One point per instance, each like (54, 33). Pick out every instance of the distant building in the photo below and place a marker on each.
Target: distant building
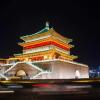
(46, 55)
(94, 72)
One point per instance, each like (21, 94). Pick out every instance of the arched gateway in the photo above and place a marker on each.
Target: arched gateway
(21, 73)
(23, 70)
(77, 74)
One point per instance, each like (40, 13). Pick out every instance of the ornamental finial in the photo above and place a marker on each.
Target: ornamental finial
(47, 25)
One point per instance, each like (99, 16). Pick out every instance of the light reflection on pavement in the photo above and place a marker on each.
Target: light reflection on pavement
(62, 89)
(50, 92)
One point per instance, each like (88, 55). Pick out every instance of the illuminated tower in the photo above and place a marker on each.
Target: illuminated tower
(45, 55)
(46, 44)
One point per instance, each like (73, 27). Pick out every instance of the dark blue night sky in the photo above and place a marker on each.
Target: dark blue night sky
(76, 19)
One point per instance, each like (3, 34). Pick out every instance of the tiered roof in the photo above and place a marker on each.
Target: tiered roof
(46, 37)
(45, 32)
